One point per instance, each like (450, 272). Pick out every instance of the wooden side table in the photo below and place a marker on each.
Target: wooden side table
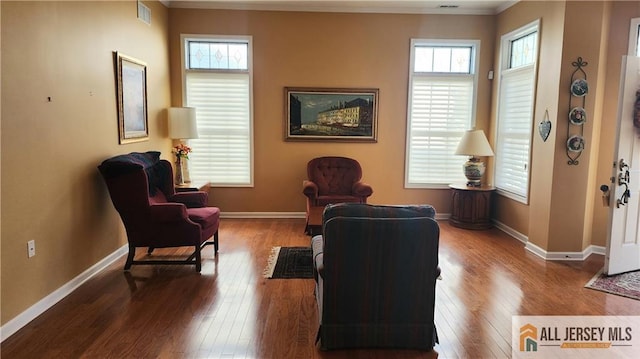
(314, 221)
(471, 206)
(192, 186)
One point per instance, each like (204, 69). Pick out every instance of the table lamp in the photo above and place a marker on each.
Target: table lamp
(474, 143)
(182, 126)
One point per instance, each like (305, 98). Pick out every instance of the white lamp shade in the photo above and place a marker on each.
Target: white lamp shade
(182, 122)
(474, 143)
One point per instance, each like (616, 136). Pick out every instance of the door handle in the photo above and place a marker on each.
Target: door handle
(606, 195)
(622, 165)
(623, 180)
(624, 198)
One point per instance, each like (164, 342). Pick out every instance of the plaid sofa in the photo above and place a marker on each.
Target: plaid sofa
(376, 269)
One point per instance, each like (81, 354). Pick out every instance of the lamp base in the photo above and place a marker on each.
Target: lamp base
(179, 173)
(474, 170)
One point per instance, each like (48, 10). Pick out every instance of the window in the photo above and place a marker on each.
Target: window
(218, 83)
(442, 92)
(515, 111)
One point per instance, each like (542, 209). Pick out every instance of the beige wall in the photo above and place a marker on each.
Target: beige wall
(532, 219)
(571, 193)
(329, 50)
(564, 213)
(51, 190)
(617, 41)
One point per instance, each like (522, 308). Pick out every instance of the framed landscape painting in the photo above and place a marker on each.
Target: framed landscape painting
(131, 87)
(331, 114)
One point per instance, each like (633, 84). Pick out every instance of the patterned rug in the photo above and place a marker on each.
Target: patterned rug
(289, 263)
(625, 284)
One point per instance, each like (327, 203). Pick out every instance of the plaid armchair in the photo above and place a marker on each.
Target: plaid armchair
(376, 269)
(154, 215)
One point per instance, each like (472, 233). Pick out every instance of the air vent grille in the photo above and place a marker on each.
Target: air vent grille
(144, 13)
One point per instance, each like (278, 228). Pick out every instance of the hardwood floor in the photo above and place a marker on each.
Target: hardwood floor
(230, 311)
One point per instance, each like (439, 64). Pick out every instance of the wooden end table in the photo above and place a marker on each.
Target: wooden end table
(314, 221)
(193, 186)
(471, 206)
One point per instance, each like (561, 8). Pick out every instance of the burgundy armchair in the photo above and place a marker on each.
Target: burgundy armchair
(154, 215)
(334, 180)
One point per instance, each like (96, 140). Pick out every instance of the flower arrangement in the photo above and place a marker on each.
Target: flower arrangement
(182, 151)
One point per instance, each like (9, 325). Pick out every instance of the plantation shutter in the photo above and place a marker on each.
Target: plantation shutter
(439, 114)
(514, 130)
(222, 153)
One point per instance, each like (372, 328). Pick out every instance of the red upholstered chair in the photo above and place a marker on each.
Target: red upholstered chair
(154, 215)
(334, 180)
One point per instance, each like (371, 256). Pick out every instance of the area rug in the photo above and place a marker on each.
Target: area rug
(625, 284)
(289, 263)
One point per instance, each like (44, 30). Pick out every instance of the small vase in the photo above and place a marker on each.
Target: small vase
(179, 173)
(185, 170)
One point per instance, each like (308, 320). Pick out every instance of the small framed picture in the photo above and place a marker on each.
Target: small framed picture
(131, 88)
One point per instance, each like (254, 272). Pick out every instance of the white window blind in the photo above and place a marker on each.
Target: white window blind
(440, 111)
(514, 130)
(218, 83)
(222, 153)
(515, 112)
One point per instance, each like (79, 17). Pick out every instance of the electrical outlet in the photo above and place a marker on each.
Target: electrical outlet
(31, 248)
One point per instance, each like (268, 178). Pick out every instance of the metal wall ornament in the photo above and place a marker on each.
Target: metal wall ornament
(575, 143)
(578, 89)
(544, 127)
(578, 116)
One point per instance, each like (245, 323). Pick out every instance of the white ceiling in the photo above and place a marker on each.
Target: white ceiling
(458, 7)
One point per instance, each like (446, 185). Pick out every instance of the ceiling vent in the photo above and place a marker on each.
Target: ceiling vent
(144, 13)
(448, 6)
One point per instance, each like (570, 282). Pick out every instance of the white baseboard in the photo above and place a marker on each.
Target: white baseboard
(550, 256)
(263, 215)
(565, 256)
(443, 216)
(439, 216)
(510, 231)
(15, 324)
(599, 250)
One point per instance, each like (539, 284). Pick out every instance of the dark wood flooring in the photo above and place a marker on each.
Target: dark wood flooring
(230, 311)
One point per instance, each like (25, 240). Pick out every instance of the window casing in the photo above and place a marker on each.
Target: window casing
(634, 37)
(519, 52)
(218, 83)
(442, 98)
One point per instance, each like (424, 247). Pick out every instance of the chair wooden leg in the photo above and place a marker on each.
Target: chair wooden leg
(198, 259)
(132, 253)
(150, 250)
(215, 242)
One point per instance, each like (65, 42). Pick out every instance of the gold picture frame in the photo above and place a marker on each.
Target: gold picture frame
(331, 114)
(131, 93)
